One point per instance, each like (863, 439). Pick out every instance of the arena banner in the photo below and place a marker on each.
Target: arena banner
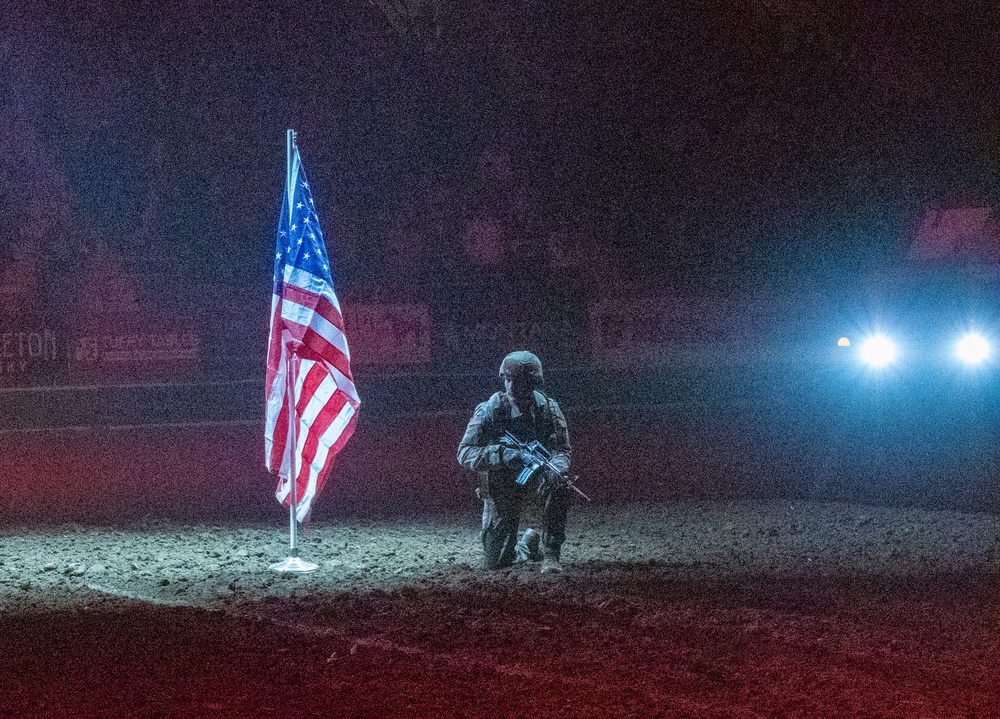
(482, 343)
(477, 322)
(384, 336)
(32, 352)
(133, 347)
(702, 329)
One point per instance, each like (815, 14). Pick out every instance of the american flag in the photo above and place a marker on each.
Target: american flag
(307, 335)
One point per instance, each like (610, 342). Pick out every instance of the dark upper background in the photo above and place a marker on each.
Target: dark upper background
(715, 143)
(719, 146)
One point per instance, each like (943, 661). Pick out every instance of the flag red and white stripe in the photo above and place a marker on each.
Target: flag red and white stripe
(308, 361)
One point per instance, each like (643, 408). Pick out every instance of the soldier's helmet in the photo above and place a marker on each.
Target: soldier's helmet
(522, 362)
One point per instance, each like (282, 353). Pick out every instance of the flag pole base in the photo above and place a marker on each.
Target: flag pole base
(294, 564)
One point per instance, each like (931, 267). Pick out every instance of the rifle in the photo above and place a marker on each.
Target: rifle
(540, 458)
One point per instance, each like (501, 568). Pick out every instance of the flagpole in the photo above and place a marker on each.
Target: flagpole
(289, 182)
(293, 442)
(292, 563)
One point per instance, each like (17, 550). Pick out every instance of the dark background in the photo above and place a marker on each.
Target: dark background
(723, 143)
(779, 148)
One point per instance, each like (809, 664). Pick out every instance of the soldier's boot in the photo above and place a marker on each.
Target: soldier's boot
(550, 562)
(529, 546)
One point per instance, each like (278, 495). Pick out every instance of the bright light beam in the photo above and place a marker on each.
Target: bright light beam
(972, 349)
(878, 351)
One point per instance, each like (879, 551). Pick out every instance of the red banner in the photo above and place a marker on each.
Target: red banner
(133, 347)
(388, 335)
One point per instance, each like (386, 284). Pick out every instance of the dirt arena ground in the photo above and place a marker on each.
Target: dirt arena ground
(694, 610)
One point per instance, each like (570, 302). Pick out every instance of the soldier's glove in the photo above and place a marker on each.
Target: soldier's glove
(551, 482)
(511, 455)
(508, 456)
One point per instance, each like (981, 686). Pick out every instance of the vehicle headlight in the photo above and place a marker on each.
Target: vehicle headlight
(972, 349)
(878, 351)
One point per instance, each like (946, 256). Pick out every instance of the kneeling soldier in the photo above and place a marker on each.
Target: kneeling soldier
(529, 415)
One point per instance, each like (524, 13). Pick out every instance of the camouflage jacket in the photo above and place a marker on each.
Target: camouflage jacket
(480, 448)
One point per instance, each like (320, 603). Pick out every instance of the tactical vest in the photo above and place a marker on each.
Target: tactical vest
(501, 412)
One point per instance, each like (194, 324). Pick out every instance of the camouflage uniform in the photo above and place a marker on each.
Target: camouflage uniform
(480, 451)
